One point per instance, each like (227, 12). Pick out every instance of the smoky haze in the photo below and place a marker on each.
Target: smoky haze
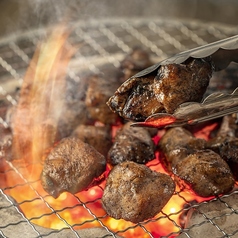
(18, 15)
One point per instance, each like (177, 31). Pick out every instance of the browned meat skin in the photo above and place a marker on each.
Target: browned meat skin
(194, 166)
(206, 173)
(138, 98)
(134, 62)
(135, 99)
(226, 142)
(71, 166)
(226, 137)
(176, 144)
(98, 137)
(229, 150)
(179, 83)
(135, 193)
(98, 92)
(132, 144)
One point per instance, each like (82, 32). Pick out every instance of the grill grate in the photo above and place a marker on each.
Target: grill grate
(103, 42)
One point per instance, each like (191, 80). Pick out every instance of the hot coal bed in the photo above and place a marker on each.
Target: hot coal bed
(95, 70)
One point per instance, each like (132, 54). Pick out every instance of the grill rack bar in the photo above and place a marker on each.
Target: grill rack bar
(130, 31)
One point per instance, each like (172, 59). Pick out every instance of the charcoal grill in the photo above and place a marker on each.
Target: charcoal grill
(105, 43)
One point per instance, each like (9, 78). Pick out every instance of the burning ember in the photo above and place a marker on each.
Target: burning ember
(35, 122)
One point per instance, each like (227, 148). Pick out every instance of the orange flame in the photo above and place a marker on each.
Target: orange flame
(42, 98)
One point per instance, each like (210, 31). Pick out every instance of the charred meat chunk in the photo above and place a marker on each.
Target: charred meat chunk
(97, 136)
(132, 144)
(176, 144)
(229, 150)
(137, 60)
(206, 173)
(98, 92)
(225, 142)
(135, 99)
(164, 91)
(179, 83)
(194, 166)
(135, 193)
(71, 166)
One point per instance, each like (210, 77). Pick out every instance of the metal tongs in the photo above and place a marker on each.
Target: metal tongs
(215, 105)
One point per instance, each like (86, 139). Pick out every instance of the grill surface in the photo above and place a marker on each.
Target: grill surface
(104, 42)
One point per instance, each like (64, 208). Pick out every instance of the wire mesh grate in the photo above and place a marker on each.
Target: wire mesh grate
(101, 43)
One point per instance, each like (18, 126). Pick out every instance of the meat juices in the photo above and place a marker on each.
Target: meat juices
(194, 166)
(132, 144)
(71, 166)
(135, 193)
(164, 91)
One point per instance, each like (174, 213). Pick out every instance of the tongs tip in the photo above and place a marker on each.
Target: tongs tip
(158, 120)
(214, 106)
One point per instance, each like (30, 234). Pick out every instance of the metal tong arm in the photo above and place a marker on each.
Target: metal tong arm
(214, 106)
(222, 52)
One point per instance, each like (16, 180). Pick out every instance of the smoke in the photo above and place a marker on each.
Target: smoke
(25, 15)
(34, 14)
(53, 11)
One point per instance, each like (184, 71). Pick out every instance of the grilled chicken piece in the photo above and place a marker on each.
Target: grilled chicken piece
(174, 84)
(135, 193)
(194, 166)
(71, 166)
(132, 144)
